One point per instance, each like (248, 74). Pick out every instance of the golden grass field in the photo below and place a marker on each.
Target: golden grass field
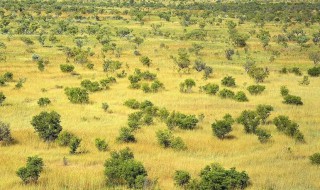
(279, 164)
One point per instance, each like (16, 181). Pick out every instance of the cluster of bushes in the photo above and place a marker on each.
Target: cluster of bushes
(200, 65)
(167, 140)
(213, 176)
(256, 89)
(121, 169)
(182, 121)
(105, 83)
(91, 86)
(111, 66)
(294, 70)
(31, 172)
(228, 81)
(77, 95)
(138, 76)
(252, 119)
(210, 88)
(288, 127)
(78, 54)
(290, 99)
(240, 96)
(70, 140)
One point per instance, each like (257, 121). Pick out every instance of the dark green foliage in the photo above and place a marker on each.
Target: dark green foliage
(296, 71)
(187, 85)
(101, 145)
(2, 81)
(123, 169)
(229, 53)
(31, 172)
(183, 60)
(210, 88)
(66, 68)
(47, 125)
(134, 120)
(126, 135)
(258, 73)
(314, 71)
(256, 89)
(110, 65)
(315, 159)
(107, 81)
(43, 102)
(294, 100)
(163, 113)
(145, 88)
(77, 95)
(156, 86)
(167, 140)
(90, 86)
(263, 136)
(215, 177)
(222, 127)
(132, 103)
(2, 98)
(228, 81)
(182, 121)
(241, 97)
(5, 133)
(20, 83)
(8, 77)
(226, 93)
(284, 91)
(74, 144)
(181, 178)
(64, 138)
(250, 120)
(264, 112)
(288, 127)
(145, 60)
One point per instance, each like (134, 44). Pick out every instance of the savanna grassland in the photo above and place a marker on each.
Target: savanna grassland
(87, 34)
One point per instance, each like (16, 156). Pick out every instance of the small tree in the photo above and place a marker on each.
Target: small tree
(228, 81)
(263, 136)
(221, 128)
(264, 37)
(43, 102)
(264, 112)
(284, 91)
(250, 120)
(47, 125)
(167, 140)
(77, 95)
(5, 133)
(146, 61)
(74, 144)
(241, 97)
(126, 135)
(258, 74)
(183, 60)
(315, 57)
(181, 178)
(101, 145)
(187, 85)
(2, 98)
(31, 172)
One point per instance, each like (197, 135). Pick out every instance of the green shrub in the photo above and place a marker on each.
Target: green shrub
(241, 97)
(295, 100)
(77, 95)
(90, 86)
(74, 144)
(296, 71)
(8, 76)
(66, 68)
(156, 86)
(264, 112)
(5, 133)
(228, 81)
(256, 89)
(187, 85)
(258, 73)
(101, 145)
(183, 121)
(2, 81)
(2, 98)
(64, 138)
(47, 125)
(145, 60)
(181, 178)
(222, 127)
(134, 120)
(284, 91)
(132, 103)
(163, 113)
(110, 65)
(263, 136)
(314, 71)
(122, 169)
(210, 88)
(288, 127)
(145, 88)
(226, 93)
(44, 102)
(125, 135)
(250, 120)
(31, 172)
(315, 158)
(167, 140)
(107, 81)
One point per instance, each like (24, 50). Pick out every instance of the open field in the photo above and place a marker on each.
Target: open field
(281, 163)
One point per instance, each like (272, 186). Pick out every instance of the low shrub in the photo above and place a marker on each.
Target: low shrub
(256, 89)
(226, 93)
(101, 145)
